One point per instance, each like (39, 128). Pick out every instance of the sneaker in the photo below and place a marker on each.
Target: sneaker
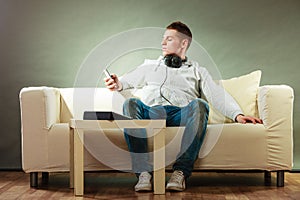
(144, 183)
(176, 182)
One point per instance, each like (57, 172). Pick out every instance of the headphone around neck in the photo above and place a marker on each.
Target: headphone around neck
(174, 61)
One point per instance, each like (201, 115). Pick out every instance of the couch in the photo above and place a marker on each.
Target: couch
(267, 147)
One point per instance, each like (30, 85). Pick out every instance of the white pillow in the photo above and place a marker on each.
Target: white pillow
(244, 90)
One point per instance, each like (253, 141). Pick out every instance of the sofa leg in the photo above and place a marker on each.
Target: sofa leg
(34, 179)
(268, 178)
(280, 178)
(45, 177)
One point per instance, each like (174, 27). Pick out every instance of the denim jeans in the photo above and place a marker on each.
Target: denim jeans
(194, 117)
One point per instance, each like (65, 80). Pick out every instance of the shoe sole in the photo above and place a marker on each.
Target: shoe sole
(143, 190)
(175, 189)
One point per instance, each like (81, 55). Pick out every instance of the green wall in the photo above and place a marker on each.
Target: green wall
(44, 42)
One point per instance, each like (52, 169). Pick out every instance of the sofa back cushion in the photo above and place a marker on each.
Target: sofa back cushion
(74, 101)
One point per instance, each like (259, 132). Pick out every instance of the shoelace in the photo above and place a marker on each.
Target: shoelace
(177, 177)
(144, 178)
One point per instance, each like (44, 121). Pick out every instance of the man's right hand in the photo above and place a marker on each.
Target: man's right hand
(113, 83)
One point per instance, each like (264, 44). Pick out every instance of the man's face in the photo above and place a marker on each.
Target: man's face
(172, 43)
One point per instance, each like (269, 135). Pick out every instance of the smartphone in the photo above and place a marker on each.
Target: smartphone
(107, 74)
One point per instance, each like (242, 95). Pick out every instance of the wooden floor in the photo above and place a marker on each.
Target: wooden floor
(113, 185)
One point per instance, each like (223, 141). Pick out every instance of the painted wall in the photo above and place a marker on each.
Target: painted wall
(44, 43)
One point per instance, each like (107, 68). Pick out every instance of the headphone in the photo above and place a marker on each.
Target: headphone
(174, 61)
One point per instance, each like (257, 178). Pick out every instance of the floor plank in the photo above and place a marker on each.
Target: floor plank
(113, 185)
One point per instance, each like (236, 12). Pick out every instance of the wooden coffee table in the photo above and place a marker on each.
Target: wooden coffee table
(155, 128)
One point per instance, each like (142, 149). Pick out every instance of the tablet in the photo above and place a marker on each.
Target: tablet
(104, 115)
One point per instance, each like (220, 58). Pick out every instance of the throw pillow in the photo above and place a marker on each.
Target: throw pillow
(244, 90)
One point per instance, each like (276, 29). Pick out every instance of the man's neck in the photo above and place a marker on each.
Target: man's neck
(182, 56)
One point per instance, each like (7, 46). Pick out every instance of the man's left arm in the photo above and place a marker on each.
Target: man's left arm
(216, 94)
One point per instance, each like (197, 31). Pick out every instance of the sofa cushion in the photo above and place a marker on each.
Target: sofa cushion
(244, 90)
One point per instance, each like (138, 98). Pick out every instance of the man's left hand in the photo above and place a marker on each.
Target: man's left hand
(244, 119)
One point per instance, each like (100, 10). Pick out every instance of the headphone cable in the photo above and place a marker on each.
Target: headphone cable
(160, 91)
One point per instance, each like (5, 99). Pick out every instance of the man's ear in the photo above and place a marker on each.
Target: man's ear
(184, 43)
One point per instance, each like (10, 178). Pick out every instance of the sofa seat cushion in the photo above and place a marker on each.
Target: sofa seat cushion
(108, 149)
(240, 146)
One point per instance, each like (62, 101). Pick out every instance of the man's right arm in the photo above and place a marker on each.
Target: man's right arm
(132, 79)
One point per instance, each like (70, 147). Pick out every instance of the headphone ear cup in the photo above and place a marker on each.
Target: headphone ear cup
(173, 61)
(176, 62)
(168, 60)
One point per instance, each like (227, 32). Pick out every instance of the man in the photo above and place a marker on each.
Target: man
(172, 88)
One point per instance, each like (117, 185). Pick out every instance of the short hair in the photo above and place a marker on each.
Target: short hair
(181, 28)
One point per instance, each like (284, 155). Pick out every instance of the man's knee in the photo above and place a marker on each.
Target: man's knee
(130, 105)
(201, 105)
(131, 102)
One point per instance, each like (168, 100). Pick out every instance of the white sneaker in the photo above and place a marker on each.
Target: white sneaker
(176, 182)
(144, 183)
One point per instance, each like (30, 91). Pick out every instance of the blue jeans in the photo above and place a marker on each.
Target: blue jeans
(194, 117)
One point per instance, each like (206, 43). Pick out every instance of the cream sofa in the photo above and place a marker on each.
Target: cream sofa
(46, 112)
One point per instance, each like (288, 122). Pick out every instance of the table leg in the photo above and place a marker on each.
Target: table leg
(159, 161)
(72, 158)
(78, 162)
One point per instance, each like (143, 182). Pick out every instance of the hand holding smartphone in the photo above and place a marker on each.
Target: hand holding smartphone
(110, 83)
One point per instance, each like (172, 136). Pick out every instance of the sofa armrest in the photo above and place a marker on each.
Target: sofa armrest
(40, 106)
(39, 112)
(275, 106)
